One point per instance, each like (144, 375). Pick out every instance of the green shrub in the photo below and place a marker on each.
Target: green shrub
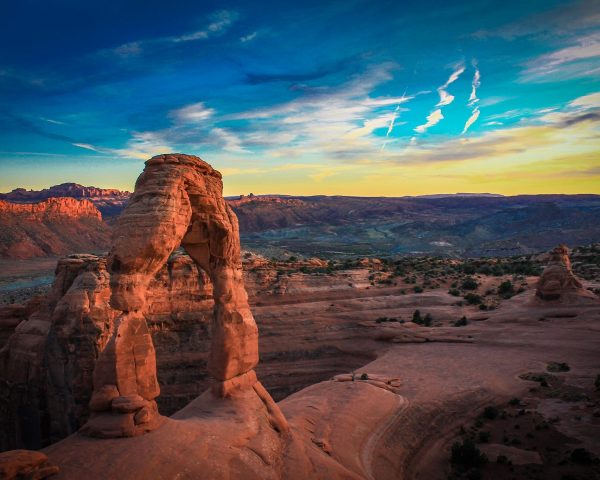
(364, 376)
(416, 318)
(418, 289)
(506, 289)
(462, 322)
(455, 292)
(469, 283)
(472, 298)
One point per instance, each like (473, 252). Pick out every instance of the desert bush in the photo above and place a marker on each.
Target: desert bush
(469, 283)
(455, 292)
(472, 298)
(364, 376)
(466, 455)
(462, 322)
(506, 289)
(416, 318)
(418, 289)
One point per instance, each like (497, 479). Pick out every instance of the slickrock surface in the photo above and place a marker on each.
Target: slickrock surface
(55, 226)
(360, 429)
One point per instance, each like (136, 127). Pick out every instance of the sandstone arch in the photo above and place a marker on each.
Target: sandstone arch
(178, 199)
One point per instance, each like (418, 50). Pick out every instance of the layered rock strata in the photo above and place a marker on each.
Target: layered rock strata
(558, 279)
(177, 200)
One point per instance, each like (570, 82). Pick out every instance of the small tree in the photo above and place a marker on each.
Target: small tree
(506, 289)
(417, 317)
(469, 283)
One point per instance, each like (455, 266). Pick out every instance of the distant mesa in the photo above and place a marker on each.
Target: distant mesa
(109, 201)
(54, 226)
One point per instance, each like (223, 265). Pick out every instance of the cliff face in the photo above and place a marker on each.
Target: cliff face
(55, 226)
(48, 361)
(109, 201)
(50, 209)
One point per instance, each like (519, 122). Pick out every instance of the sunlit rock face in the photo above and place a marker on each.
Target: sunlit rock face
(557, 278)
(178, 200)
(55, 226)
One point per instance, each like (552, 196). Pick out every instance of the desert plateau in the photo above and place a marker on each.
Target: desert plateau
(352, 240)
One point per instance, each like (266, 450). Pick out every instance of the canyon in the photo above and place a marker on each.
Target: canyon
(343, 227)
(369, 368)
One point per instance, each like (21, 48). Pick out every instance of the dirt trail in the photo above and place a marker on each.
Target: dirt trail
(368, 449)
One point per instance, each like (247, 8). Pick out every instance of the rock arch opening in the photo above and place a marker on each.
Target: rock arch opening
(178, 200)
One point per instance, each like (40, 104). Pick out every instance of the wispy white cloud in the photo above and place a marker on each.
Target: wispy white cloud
(249, 37)
(432, 119)
(219, 23)
(228, 140)
(435, 116)
(49, 120)
(475, 84)
(473, 99)
(579, 59)
(445, 97)
(196, 112)
(86, 146)
(472, 119)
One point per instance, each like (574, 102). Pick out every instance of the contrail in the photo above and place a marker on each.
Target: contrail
(394, 116)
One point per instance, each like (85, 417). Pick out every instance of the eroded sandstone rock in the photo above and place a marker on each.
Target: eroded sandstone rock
(25, 464)
(178, 200)
(558, 279)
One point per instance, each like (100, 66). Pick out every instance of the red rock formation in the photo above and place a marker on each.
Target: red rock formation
(50, 209)
(55, 226)
(25, 464)
(109, 201)
(558, 279)
(51, 400)
(178, 199)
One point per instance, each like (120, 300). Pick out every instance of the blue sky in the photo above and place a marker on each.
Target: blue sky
(350, 97)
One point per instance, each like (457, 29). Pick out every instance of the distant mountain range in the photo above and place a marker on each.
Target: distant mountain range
(462, 224)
